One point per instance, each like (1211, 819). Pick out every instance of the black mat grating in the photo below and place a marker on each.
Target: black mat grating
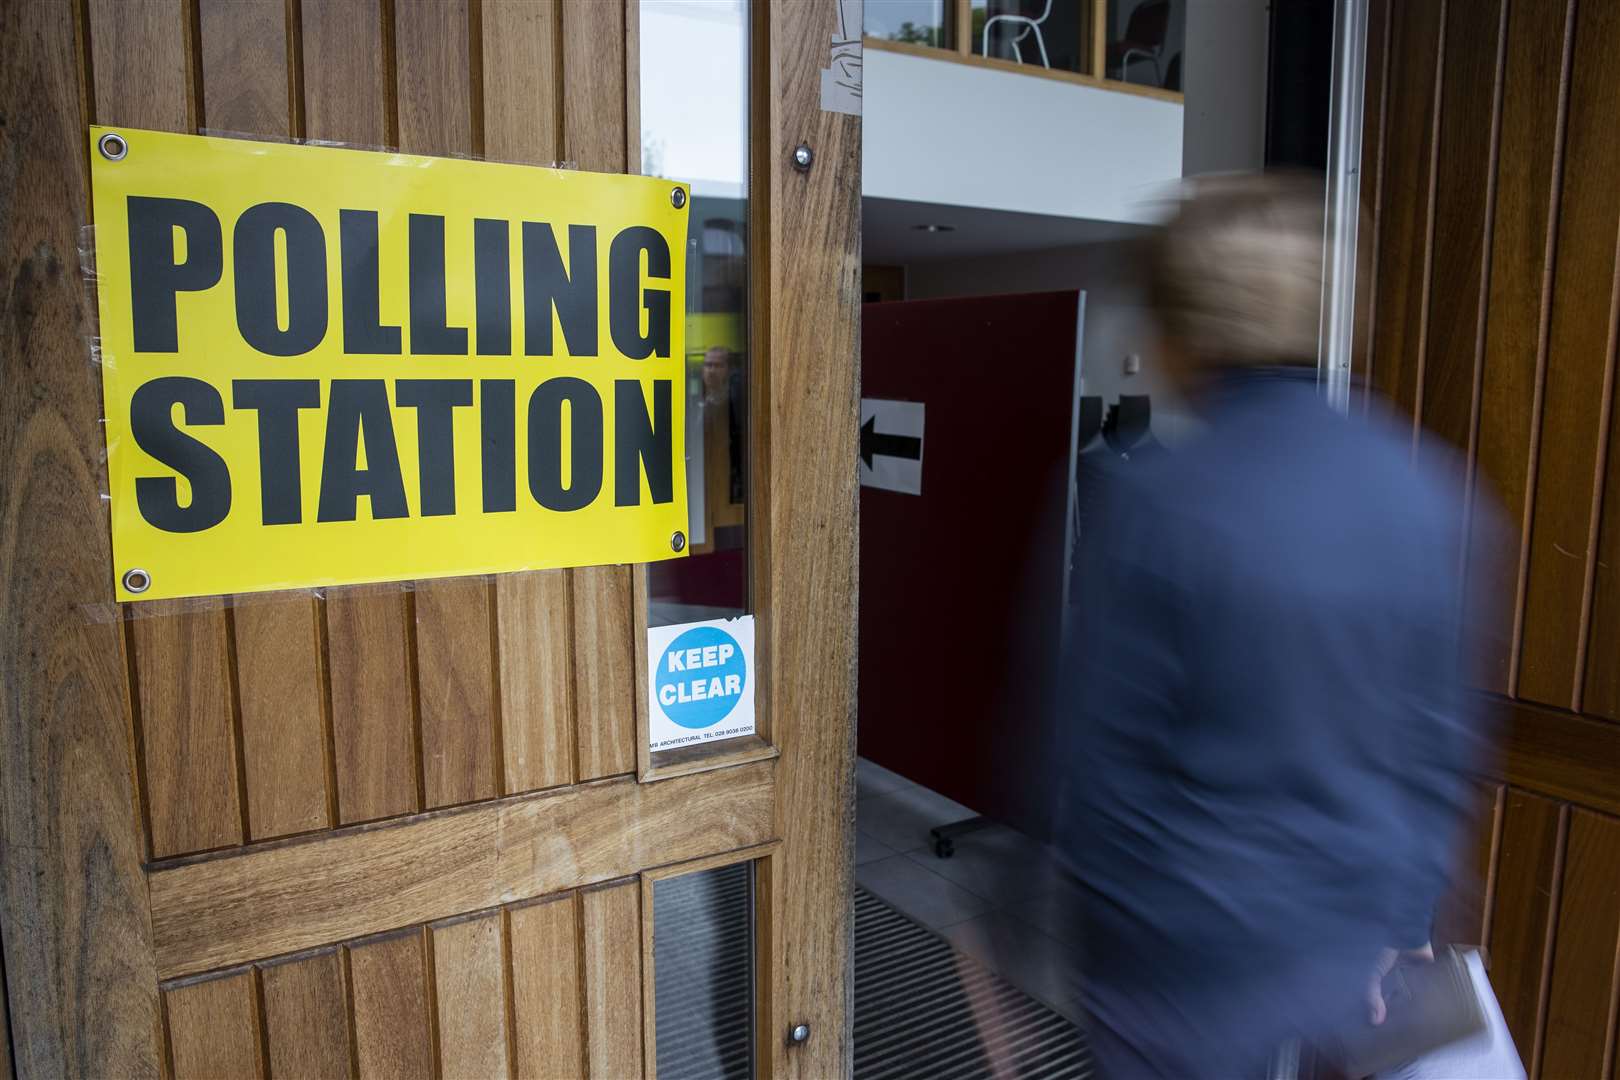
(915, 999)
(703, 974)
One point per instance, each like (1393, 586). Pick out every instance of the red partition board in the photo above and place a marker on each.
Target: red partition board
(961, 586)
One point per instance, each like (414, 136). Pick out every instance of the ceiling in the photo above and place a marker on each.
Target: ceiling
(890, 233)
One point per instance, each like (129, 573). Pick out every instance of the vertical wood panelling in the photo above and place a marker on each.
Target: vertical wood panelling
(1602, 691)
(593, 62)
(83, 997)
(214, 1028)
(469, 972)
(245, 65)
(1525, 891)
(547, 1025)
(534, 610)
(189, 737)
(139, 60)
(1463, 170)
(604, 668)
(520, 81)
(1578, 364)
(1515, 329)
(1602, 678)
(594, 137)
(1375, 92)
(375, 746)
(393, 1012)
(632, 86)
(456, 671)
(535, 626)
(346, 96)
(1580, 1008)
(306, 1012)
(283, 701)
(432, 85)
(345, 71)
(611, 926)
(457, 680)
(1404, 214)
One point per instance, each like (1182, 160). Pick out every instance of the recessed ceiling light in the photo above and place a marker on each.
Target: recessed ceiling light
(934, 228)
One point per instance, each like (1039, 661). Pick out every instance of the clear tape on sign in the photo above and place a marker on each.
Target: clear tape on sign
(87, 274)
(378, 148)
(112, 612)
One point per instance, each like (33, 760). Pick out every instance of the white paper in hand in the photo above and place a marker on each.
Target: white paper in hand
(1488, 1055)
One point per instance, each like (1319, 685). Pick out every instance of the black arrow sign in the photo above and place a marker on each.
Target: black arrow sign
(908, 447)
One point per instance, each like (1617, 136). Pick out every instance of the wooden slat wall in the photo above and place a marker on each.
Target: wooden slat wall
(214, 1028)
(610, 933)
(292, 713)
(1494, 305)
(547, 1023)
(546, 989)
(306, 1015)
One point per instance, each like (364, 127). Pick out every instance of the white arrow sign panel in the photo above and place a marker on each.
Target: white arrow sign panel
(892, 445)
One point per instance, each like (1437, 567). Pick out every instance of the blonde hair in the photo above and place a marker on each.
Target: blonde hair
(1236, 273)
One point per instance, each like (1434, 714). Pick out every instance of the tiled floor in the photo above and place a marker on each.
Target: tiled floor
(999, 898)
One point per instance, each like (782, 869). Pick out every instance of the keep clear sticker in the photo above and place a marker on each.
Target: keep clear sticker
(701, 686)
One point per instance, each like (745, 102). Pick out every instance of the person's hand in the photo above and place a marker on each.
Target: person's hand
(1387, 959)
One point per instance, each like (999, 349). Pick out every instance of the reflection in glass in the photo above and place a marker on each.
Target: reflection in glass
(916, 22)
(694, 127)
(1043, 33)
(703, 974)
(1145, 39)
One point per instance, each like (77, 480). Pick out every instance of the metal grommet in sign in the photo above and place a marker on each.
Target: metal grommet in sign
(137, 580)
(677, 542)
(803, 157)
(800, 1034)
(113, 146)
(677, 198)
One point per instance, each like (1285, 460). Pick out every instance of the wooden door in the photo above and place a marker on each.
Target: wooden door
(404, 830)
(1490, 163)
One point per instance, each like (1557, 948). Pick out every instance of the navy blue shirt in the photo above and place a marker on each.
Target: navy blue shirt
(1267, 737)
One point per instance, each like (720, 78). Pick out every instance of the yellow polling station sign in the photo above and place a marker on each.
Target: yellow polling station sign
(324, 366)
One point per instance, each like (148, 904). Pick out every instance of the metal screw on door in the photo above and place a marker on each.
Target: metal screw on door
(803, 157)
(799, 1035)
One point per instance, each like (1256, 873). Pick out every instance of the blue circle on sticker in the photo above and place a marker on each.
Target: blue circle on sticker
(701, 677)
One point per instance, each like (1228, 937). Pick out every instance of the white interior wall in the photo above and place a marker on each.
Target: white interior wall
(935, 131)
(1118, 322)
(1224, 79)
(946, 133)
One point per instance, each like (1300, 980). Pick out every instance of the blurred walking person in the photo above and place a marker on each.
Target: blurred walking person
(1268, 735)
